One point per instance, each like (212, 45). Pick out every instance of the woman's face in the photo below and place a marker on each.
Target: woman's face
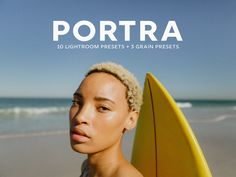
(99, 113)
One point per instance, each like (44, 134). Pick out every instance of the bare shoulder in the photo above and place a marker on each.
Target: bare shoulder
(127, 170)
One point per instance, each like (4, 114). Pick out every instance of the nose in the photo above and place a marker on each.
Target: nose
(83, 115)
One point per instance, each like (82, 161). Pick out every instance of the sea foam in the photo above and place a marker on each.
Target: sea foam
(184, 104)
(32, 110)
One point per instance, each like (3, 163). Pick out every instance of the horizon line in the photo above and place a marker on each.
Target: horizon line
(176, 99)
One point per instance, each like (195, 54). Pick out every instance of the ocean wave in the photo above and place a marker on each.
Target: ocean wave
(234, 108)
(216, 119)
(32, 110)
(184, 104)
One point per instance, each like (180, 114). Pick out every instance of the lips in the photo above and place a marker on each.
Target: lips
(79, 135)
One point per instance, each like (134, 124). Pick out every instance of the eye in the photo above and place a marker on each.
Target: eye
(103, 109)
(76, 103)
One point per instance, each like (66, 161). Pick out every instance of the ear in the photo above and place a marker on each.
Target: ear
(131, 120)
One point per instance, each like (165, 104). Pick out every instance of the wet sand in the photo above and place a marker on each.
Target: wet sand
(42, 155)
(50, 155)
(218, 142)
(39, 156)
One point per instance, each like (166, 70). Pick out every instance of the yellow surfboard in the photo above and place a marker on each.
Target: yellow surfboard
(165, 145)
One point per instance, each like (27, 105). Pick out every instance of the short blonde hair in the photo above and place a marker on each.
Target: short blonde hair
(134, 91)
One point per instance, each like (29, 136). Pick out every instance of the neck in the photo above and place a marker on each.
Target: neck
(105, 162)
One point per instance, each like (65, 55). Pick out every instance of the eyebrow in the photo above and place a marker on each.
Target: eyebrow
(98, 98)
(78, 95)
(104, 99)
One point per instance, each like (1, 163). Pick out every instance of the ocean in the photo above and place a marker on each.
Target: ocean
(25, 116)
(32, 116)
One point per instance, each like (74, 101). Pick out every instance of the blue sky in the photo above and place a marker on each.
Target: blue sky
(203, 68)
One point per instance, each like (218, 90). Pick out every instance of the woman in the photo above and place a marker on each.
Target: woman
(105, 105)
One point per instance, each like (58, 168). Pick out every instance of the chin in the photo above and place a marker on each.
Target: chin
(81, 148)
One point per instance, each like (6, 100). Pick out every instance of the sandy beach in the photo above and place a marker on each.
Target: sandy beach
(218, 142)
(42, 155)
(47, 155)
(38, 156)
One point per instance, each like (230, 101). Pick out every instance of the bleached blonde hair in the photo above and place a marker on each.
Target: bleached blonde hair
(134, 91)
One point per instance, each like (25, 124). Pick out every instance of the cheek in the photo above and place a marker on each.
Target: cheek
(71, 115)
(110, 122)
(108, 128)
(106, 131)
(72, 112)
